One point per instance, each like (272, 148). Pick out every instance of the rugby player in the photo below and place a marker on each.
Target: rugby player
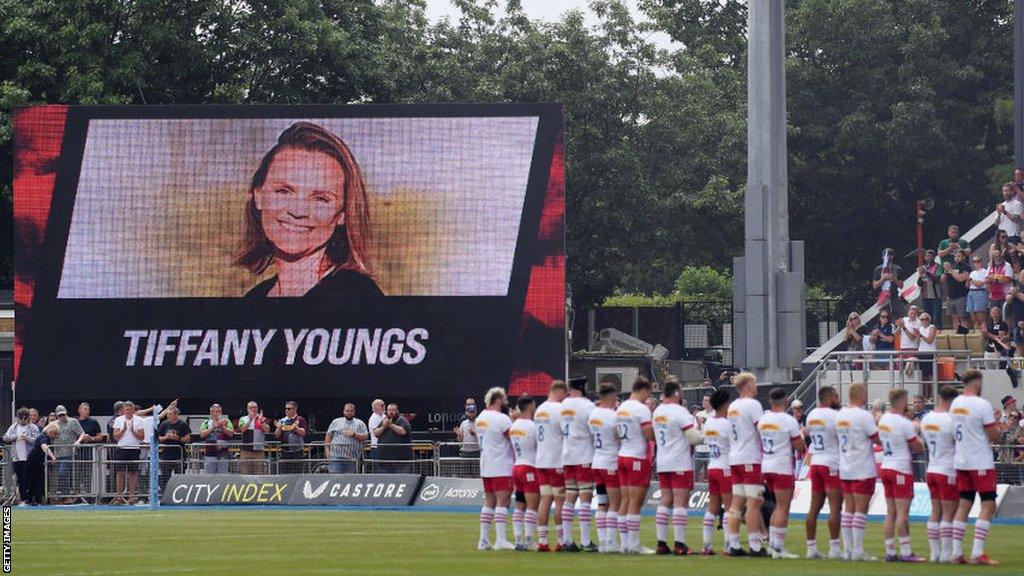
(675, 434)
(781, 439)
(633, 424)
(496, 463)
(745, 464)
(899, 444)
(717, 433)
(524, 443)
(605, 466)
(937, 429)
(577, 455)
(549, 463)
(858, 435)
(823, 450)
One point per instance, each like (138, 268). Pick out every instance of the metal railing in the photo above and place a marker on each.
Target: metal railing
(102, 473)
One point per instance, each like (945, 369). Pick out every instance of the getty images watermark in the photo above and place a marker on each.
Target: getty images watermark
(7, 539)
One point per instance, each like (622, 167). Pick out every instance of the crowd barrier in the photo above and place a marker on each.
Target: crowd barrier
(99, 473)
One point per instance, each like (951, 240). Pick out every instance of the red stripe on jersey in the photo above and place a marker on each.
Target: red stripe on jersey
(990, 425)
(642, 424)
(687, 427)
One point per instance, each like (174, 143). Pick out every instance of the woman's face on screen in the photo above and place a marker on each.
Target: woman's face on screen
(301, 201)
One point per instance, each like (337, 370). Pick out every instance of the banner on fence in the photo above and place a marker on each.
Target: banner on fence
(438, 491)
(292, 490)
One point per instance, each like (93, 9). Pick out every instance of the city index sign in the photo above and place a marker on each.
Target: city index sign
(291, 490)
(226, 490)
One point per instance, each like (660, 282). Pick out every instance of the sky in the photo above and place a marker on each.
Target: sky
(549, 10)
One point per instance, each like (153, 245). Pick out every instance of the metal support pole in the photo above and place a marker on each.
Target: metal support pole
(1018, 84)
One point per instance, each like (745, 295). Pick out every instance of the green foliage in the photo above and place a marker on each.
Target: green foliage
(888, 103)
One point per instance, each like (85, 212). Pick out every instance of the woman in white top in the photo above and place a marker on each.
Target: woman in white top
(926, 352)
(977, 292)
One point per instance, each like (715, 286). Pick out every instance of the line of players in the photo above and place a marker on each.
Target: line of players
(570, 450)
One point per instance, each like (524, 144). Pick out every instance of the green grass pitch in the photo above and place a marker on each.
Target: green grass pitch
(297, 542)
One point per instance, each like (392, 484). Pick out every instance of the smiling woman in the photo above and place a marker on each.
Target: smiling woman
(308, 216)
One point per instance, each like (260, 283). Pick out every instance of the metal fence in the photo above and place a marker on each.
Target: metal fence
(103, 474)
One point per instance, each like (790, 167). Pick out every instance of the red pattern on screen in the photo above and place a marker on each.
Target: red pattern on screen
(544, 308)
(38, 136)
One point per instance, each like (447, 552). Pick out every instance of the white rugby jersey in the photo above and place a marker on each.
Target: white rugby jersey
(971, 416)
(896, 432)
(549, 434)
(937, 429)
(523, 435)
(577, 446)
(823, 442)
(673, 449)
(630, 420)
(717, 434)
(745, 447)
(856, 427)
(496, 459)
(777, 430)
(605, 438)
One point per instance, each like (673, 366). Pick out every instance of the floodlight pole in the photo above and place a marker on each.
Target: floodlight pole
(768, 284)
(1018, 84)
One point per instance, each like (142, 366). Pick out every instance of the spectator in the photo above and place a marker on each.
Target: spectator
(344, 441)
(1015, 313)
(215, 432)
(21, 436)
(928, 281)
(373, 422)
(394, 446)
(173, 434)
(118, 410)
(51, 418)
(977, 293)
(1008, 438)
(465, 433)
(706, 383)
(796, 410)
(35, 464)
(1001, 245)
(1010, 210)
(651, 403)
(955, 274)
(1009, 405)
(926, 351)
(128, 432)
(1000, 279)
(707, 411)
(90, 426)
(291, 431)
(919, 408)
(888, 279)
(35, 418)
(853, 334)
(877, 409)
(951, 244)
(997, 339)
(254, 428)
(69, 435)
(910, 337)
(883, 337)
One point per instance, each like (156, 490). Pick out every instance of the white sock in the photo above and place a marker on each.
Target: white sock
(754, 540)
(708, 529)
(934, 543)
(517, 525)
(542, 533)
(980, 535)
(486, 517)
(602, 528)
(958, 538)
(499, 525)
(624, 531)
(560, 532)
(530, 520)
(633, 520)
(780, 537)
(812, 546)
(661, 523)
(946, 536)
(890, 547)
(835, 545)
(584, 516)
(567, 514)
(679, 522)
(611, 523)
(846, 530)
(905, 546)
(860, 523)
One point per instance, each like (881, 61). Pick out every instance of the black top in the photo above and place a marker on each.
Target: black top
(394, 446)
(172, 448)
(955, 288)
(90, 426)
(337, 284)
(994, 328)
(36, 456)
